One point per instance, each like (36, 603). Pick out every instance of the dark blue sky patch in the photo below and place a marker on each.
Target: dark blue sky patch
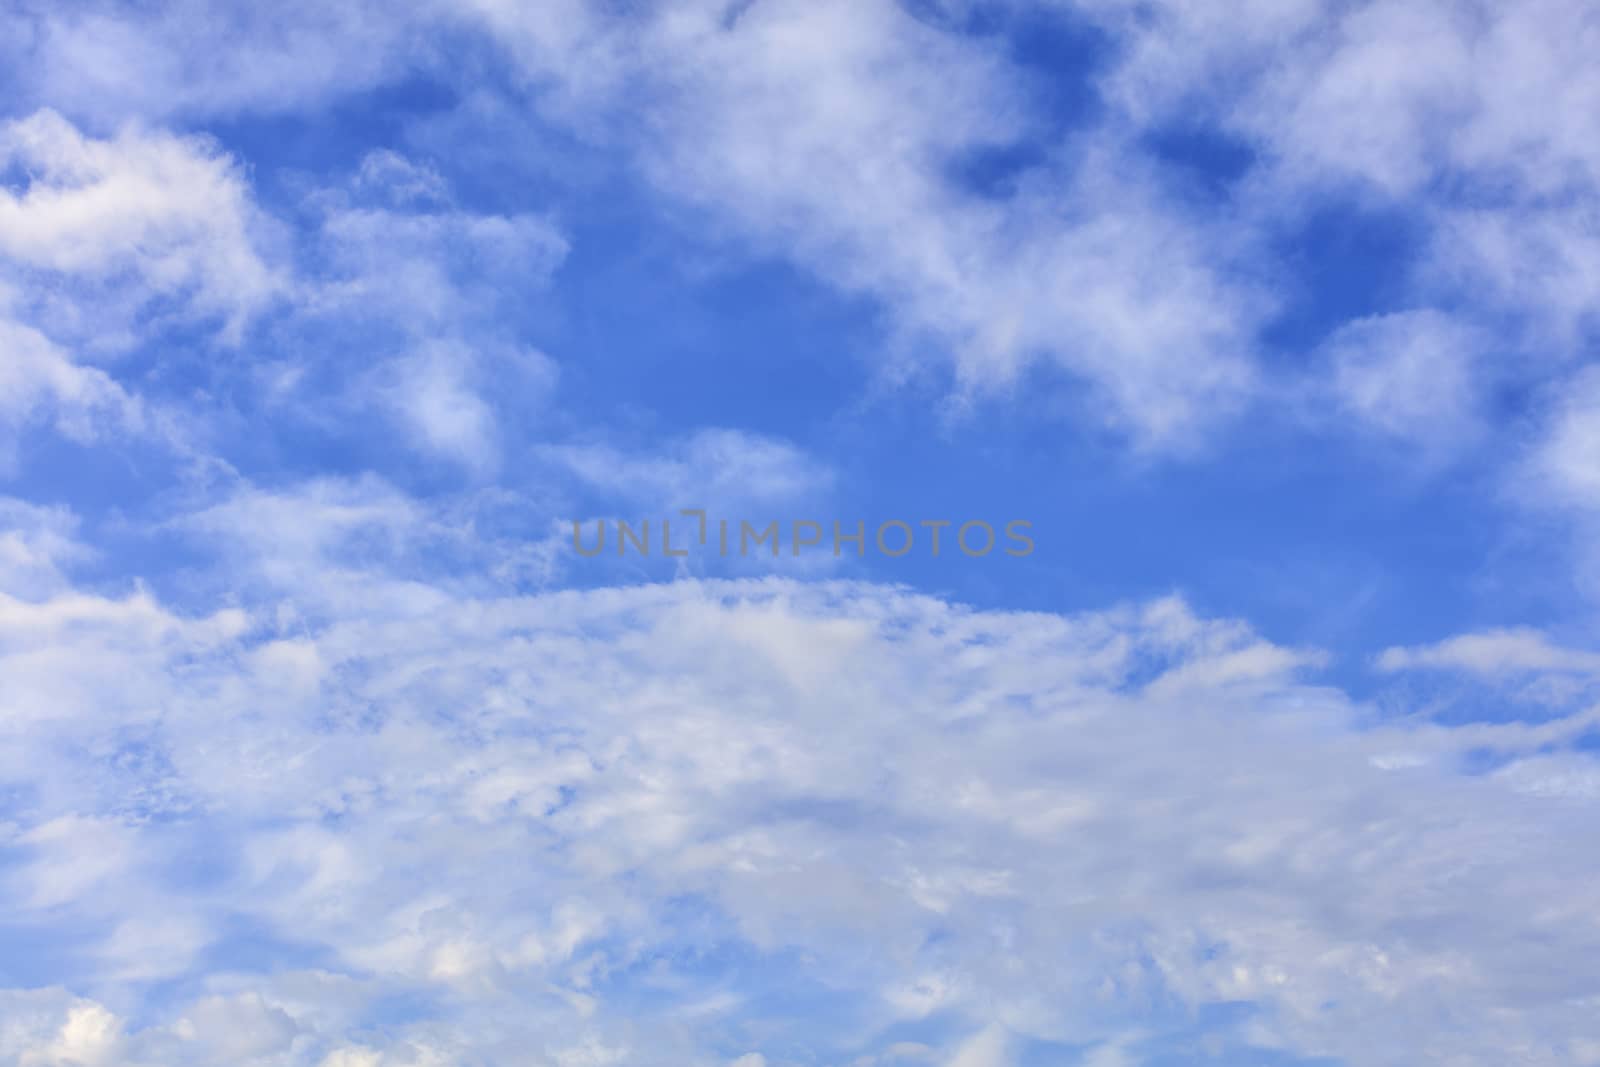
(1344, 261)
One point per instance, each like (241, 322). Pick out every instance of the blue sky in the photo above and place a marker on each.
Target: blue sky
(320, 327)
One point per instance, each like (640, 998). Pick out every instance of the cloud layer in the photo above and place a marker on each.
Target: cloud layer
(459, 826)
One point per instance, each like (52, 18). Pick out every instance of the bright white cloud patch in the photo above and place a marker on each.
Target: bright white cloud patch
(41, 384)
(148, 215)
(431, 391)
(533, 816)
(103, 244)
(1482, 119)
(1414, 376)
(830, 133)
(835, 135)
(1566, 462)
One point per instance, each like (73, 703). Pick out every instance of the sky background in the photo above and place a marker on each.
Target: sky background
(320, 326)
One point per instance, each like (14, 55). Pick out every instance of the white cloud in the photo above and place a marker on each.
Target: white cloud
(1540, 263)
(1494, 652)
(506, 800)
(237, 1029)
(428, 269)
(47, 1028)
(103, 241)
(828, 133)
(1338, 92)
(401, 181)
(332, 544)
(1416, 376)
(72, 857)
(37, 545)
(489, 827)
(40, 383)
(395, 254)
(199, 58)
(711, 468)
(143, 215)
(431, 393)
(988, 1048)
(1558, 471)
(1514, 665)
(1481, 120)
(1565, 464)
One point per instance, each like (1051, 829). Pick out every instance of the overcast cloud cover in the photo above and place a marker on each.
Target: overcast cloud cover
(320, 325)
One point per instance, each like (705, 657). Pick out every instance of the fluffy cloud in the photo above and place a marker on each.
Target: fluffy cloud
(1496, 90)
(142, 216)
(1558, 471)
(809, 131)
(1415, 376)
(834, 134)
(1564, 463)
(40, 383)
(107, 242)
(553, 823)
(1481, 120)
(103, 243)
(831, 132)
(49, 1028)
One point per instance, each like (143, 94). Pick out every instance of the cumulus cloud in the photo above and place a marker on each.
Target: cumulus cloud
(442, 391)
(807, 130)
(357, 538)
(41, 384)
(1019, 827)
(143, 216)
(1565, 463)
(1487, 133)
(1499, 90)
(1416, 376)
(830, 133)
(104, 242)
(49, 1028)
(834, 134)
